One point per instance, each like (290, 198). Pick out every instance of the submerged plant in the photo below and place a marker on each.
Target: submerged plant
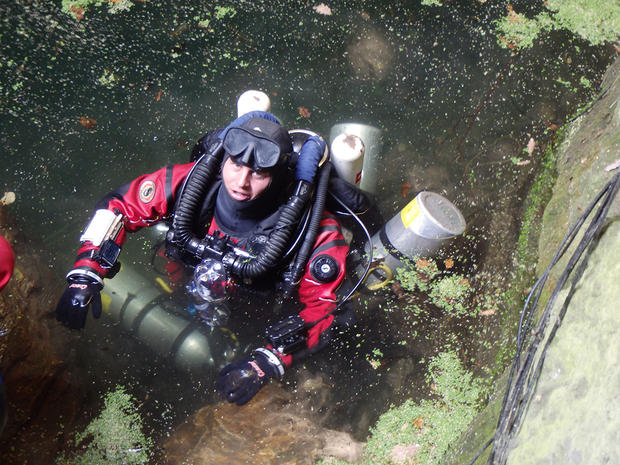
(114, 437)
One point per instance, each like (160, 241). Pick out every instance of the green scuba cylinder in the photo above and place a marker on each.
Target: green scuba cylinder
(144, 312)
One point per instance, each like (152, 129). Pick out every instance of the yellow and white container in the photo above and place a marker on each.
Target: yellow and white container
(418, 230)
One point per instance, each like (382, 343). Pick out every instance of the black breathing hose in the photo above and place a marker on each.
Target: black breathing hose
(193, 192)
(313, 228)
(279, 239)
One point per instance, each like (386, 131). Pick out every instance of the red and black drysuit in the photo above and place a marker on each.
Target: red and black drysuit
(150, 198)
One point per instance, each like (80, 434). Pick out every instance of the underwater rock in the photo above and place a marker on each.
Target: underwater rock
(269, 429)
(371, 56)
(40, 388)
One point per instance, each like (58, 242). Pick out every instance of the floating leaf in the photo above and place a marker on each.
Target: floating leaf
(87, 123)
(322, 9)
(159, 94)
(422, 263)
(8, 198)
(531, 145)
(77, 12)
(513, 16)
(303, 112)
(404, 189)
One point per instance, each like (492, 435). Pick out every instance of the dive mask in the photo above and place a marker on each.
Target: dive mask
(258, 143)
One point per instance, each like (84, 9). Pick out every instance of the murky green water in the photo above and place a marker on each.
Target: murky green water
(456, 112)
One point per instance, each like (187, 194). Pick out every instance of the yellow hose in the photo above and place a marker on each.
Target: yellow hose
(388, 277)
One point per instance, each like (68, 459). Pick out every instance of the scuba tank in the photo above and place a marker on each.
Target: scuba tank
(348, 157)
(144, 310)
(253, 100)
(418, 230)
(372, 145)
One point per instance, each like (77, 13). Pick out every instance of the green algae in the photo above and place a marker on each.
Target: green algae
(596, 21)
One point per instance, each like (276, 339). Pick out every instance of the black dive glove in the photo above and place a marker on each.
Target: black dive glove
(72, 307)
(241, 380)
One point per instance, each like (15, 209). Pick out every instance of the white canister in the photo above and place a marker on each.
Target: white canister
(347, 152)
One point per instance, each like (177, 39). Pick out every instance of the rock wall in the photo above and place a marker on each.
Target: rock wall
(42, 392)
(572, 417)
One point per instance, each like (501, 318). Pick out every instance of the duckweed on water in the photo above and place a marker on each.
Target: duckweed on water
(596, 21)
(76, 8)
(450, 292)
(422, 432)
(417, 274)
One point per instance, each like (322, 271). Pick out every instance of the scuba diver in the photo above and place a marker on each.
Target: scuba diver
(7, 263)
(250, 209)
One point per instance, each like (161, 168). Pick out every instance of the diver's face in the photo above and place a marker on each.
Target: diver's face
(243, 183)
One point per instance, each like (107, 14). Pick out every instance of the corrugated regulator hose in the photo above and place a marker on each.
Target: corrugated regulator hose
(199, 180)
(280, 238)
(313, 228)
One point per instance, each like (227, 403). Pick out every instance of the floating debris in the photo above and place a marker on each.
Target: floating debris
(8, 198)
(531, 145)
(322, 9)
(303, 112)
(613, 166)
(87, 123)
(405, 188)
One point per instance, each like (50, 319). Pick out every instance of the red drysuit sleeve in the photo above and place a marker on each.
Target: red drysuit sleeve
(142, 202)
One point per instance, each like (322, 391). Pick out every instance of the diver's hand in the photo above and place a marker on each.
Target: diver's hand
(72, 307)
(241, 380)
(309, 157)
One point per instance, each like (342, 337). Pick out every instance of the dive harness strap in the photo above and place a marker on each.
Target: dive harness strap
(271, 358)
